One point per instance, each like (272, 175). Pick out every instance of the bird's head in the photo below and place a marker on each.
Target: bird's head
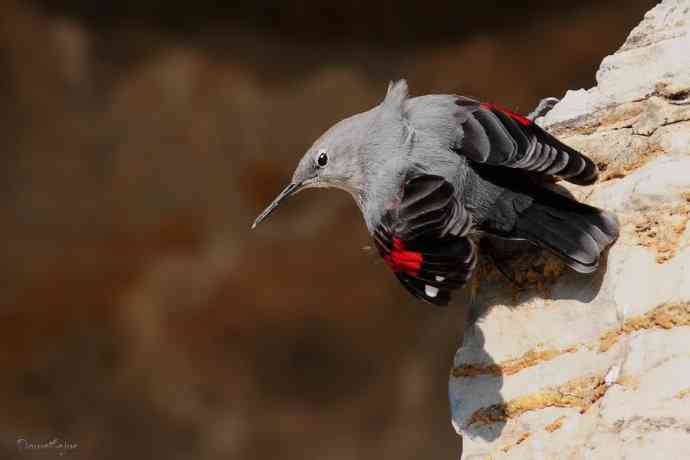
(340, 158)
(333, 161)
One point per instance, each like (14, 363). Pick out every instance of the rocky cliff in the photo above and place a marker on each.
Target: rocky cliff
(573, 366)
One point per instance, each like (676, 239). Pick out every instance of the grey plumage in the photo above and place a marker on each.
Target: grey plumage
(432, 173)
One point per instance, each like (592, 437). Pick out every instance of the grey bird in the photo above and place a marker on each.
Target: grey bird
(434, 174)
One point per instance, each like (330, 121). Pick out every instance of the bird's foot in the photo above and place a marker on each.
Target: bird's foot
(544, 107)
(510, 277)
(497, 262)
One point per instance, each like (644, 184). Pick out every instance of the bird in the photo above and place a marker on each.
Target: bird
(435, 174)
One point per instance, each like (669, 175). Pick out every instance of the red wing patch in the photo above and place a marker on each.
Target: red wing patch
(519, 118)
(401, 260)
(423, 239)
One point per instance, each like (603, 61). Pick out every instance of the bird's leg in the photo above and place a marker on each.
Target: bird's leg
(544, 107)
(490, 251)
(511, 279)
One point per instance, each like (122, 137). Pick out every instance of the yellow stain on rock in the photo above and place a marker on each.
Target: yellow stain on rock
(662, 317)
(519, 441)
(512, 366)
(579, 393)
(555, 425)
(663, 229)
(683, 393)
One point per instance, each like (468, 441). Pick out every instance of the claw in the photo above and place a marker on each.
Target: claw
(490, 252)
(544, 107)
(501, 269)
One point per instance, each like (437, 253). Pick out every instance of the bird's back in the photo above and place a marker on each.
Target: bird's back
(500, 164)
(437, 122)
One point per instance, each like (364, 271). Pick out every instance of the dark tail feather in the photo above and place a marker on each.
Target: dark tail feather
(568, 163)
(575, 232)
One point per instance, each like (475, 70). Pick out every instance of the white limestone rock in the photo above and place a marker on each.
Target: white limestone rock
(653, 60)
(598, 367)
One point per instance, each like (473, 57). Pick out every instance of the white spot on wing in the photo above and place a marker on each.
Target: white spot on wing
(439, 278)
(430, 291)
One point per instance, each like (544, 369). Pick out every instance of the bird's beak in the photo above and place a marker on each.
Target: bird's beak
(287, 191)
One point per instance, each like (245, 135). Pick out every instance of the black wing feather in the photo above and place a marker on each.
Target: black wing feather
(499, 137)
(424, 239)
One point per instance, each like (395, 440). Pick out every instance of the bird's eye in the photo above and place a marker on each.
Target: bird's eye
(322, 160)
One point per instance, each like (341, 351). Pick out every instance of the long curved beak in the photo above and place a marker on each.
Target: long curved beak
(287, 191)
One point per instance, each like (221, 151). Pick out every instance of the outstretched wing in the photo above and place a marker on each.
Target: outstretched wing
(423, 239)
(499, 137)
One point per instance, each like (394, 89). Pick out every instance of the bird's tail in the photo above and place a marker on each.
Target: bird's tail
(575, 232)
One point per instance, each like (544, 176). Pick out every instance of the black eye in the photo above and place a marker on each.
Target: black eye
(322, 160)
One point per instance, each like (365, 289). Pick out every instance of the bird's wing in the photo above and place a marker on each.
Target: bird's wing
(423, 239)
(496, 136)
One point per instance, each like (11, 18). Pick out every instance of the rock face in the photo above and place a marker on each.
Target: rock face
(599, 366)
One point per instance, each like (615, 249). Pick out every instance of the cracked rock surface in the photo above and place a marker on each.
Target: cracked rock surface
(598, 367)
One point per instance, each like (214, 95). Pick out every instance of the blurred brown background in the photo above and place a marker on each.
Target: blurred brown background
(140, 316)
